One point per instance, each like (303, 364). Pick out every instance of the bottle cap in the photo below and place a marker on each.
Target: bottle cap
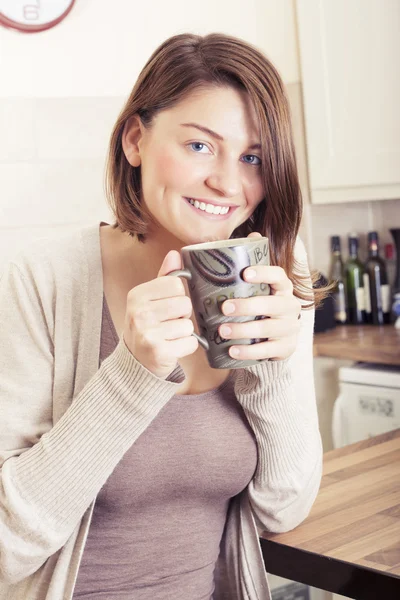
(353, 243)
(335, 243)
(373, 236)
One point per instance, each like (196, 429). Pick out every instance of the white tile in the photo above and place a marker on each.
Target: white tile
(337, 219)
(16, 129)
(72, 128)
(390, 218)
(18, 196)
(51, 193)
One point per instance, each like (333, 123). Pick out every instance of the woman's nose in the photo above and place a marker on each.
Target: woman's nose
(225, 180)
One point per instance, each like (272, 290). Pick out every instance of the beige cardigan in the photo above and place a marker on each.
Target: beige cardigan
(65, 424)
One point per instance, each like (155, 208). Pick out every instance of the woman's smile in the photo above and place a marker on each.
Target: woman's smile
(210, 210)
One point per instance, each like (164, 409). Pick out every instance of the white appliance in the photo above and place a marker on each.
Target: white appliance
(284, 589)
(368, 403)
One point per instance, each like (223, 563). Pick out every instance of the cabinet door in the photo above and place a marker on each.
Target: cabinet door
(350, 63)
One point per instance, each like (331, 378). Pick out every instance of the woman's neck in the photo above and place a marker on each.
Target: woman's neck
(136, 262)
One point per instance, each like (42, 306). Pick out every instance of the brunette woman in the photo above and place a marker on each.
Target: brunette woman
(130, 469)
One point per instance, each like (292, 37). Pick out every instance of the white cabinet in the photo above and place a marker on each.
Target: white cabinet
(350, 65)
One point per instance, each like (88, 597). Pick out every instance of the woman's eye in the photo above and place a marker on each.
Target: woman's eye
(199, 147)
(251, 159)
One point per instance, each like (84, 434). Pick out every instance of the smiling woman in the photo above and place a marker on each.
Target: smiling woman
(197, 153)
(130, 468)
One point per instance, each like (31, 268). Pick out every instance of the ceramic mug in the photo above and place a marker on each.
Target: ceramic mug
(214, 273)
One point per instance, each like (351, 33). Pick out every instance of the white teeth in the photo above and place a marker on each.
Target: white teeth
(209, 208)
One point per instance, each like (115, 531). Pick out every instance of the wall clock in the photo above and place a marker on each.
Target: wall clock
(31, 16)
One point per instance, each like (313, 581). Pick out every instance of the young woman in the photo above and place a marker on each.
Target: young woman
(130, 468)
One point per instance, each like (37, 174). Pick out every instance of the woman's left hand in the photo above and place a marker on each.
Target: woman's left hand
(282, 308)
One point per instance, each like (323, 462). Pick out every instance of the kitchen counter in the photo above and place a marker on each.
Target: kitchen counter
(350, 543)
(367, 343)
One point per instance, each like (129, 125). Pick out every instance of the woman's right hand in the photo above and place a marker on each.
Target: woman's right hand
(158, 329)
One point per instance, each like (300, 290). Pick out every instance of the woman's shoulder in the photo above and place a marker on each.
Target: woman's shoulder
(59, 253)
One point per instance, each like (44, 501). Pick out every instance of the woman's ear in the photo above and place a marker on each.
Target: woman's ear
(131, 137)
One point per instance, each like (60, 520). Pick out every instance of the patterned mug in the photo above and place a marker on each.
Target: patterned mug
(214, 273)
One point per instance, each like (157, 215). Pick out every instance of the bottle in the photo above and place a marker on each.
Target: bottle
(390, 264)
(354, 283)
(336, 273)
(377, 291)
(395, 301)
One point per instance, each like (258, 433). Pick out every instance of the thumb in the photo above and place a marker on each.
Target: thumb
(171, 262)
(254, 234)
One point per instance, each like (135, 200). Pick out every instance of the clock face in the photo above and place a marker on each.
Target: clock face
(31, 16)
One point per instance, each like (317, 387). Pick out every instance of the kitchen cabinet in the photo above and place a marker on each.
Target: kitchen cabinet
(349, 57)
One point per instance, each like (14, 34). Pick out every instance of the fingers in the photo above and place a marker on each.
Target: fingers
(271, 349)
(171, 262)
(150, 313)
(265, 329)
(271, 306)
(156, 289)
(176, 329)
(274, 276)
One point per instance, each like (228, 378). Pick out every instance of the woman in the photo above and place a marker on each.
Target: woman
(130, 468)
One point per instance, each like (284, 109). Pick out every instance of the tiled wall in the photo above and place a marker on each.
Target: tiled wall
(52, 155)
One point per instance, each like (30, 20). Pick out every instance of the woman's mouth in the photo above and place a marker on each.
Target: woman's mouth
(210, 211)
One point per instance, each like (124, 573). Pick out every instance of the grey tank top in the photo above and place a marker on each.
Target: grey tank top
(159, 518)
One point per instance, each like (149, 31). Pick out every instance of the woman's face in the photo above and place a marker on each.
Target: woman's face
(204, 153)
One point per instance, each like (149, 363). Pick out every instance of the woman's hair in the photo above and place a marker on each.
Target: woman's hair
(185, 63)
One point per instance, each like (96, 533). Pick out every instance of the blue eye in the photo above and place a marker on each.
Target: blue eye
(198, 146)
(254, 160)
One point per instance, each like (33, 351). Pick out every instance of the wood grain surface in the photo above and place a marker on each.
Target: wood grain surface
(368, 343)
(350, 543)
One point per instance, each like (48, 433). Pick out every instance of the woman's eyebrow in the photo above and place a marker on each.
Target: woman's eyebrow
(214, 134)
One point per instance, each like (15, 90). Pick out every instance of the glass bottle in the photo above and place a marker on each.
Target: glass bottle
(354, 282)
(377, 291)
(336, 274)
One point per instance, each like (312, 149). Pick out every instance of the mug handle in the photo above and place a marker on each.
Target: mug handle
(187, 275)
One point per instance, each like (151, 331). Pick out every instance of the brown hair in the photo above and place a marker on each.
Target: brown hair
(180, 65)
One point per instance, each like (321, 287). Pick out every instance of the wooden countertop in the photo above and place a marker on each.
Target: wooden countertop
(350, 543)
(367, 343)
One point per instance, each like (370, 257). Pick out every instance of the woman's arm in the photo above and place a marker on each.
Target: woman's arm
(50, 475)
(278, 398)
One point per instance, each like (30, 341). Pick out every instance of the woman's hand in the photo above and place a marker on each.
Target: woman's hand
(158, 329)
(282, 308)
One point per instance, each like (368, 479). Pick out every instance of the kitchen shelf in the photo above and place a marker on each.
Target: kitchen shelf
(367, 343)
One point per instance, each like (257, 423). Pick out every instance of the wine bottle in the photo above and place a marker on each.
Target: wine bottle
(354, 282)
(377, 291)
(336, 274)
(390, 263)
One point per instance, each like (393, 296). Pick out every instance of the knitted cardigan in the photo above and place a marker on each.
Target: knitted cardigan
(66, 423)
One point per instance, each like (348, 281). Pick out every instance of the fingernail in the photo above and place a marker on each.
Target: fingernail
(250, 273)
(234, 352)
(229, 308)
(225, 330)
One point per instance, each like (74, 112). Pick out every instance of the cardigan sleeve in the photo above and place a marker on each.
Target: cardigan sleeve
(49, 475)
(278, 398)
